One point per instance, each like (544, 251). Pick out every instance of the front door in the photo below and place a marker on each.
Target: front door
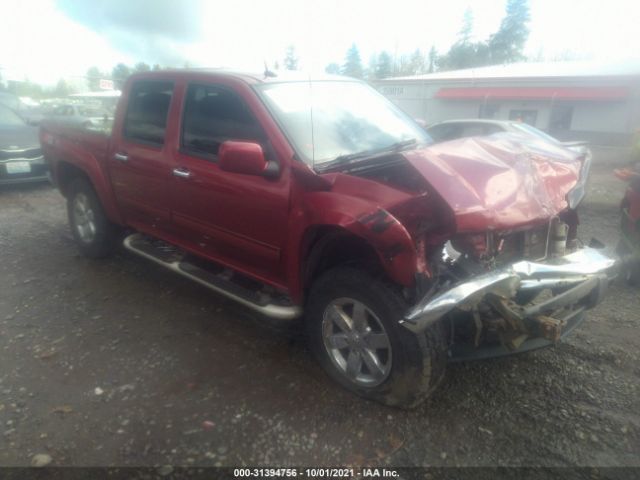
(140, 165)
(238, 219)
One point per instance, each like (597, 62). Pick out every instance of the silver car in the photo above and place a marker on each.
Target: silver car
(80, 116)
(452, 129)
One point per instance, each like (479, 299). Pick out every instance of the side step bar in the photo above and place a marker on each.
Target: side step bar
(172, 258)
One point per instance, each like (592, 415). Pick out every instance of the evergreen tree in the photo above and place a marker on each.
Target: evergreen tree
(462, 52)
(465, 53)
(353, 65)
(466, 32)
(62, 88)
(93, 79)
(24, 88)
(416, 62)
(402, 66)
(433, 60)
(333, 69)
(141, 67)
(507, 44)
(384, 65)
(120, 73)
(290, 59)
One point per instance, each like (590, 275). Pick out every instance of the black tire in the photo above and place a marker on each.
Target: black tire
(102, 242)
(417, 361)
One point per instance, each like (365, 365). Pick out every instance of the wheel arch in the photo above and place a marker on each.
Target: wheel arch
(330, 246)
(67, 172)
(326, 246)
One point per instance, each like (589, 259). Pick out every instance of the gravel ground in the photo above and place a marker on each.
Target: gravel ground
(118, 362)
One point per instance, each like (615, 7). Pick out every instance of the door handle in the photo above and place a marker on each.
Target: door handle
(181, 172)
(121, 157)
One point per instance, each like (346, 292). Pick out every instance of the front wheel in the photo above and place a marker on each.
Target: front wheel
(352, 323)
(92, 230)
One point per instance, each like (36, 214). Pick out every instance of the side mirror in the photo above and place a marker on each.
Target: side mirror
(242, 157)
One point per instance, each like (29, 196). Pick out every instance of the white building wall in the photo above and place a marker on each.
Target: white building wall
(610, 117)
(417, 98)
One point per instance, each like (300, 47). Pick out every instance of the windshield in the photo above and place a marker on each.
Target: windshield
(9, 118)
(533, 130)
(330, 119)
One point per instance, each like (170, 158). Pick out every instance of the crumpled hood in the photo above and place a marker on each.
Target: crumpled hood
(500, 181)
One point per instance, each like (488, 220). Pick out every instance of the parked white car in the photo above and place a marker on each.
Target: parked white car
(80, 115)
(452, 129)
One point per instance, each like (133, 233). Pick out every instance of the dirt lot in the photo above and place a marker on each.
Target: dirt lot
(119, 362)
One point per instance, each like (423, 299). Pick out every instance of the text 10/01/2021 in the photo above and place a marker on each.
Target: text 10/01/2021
(315, 473)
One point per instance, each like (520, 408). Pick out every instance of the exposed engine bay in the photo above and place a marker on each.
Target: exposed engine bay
(496, 300)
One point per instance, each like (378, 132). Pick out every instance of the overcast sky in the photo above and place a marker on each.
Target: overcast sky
(45, 40)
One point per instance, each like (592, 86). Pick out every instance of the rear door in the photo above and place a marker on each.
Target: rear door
(237, 219)
(140, 165)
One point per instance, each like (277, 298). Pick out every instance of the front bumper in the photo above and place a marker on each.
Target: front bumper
(38, 171)
(576, 282)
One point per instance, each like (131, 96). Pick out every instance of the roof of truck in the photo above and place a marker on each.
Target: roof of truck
(248, 77)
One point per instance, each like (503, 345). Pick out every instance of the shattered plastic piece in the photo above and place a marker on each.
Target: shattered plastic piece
(62, 409)
(208, 424)
(41, 460)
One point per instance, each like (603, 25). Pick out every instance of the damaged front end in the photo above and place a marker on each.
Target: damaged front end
(517, 307)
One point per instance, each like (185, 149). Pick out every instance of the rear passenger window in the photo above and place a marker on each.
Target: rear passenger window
(213, 115)
(146, 118)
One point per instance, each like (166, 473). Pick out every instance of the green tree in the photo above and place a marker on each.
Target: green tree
(402, 66)
(462, 52)
(416, 62)
(466, 32)
(120, 73)
(384, 65)
(24, 88)
(156, 67)
(370, 71)
(62, 88)
(465, 53)
(141, 67)
(432, 60)
(353, 64)
(460, 55)
(93, 78)
(333, 69)
(507, 44)
(290, 58)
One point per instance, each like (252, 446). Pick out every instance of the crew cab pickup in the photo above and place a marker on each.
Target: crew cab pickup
(319, 199)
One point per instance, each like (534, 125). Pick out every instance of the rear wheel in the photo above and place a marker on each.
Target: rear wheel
(92, 230)
(352, 322)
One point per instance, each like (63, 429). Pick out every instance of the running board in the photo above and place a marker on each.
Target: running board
(221, 282)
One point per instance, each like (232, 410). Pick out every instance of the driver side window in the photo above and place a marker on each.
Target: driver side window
(213, 115)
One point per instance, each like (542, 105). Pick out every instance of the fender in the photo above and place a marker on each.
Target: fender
(83, 155)
(388, 237)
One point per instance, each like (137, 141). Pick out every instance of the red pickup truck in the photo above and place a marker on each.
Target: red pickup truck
(319, 199)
